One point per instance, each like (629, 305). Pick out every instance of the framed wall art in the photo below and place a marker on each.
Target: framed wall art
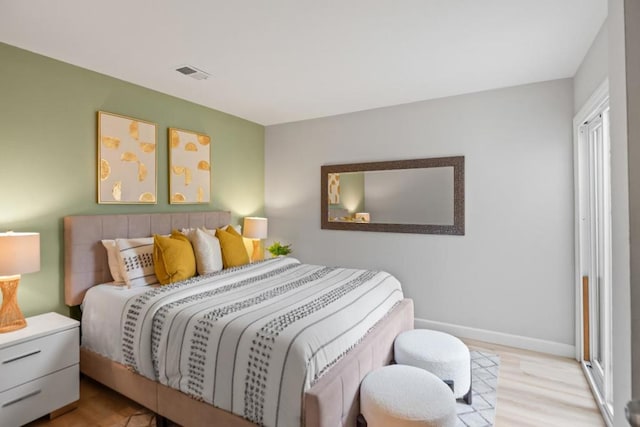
(127, 160)
(189, 167)
(334, 188)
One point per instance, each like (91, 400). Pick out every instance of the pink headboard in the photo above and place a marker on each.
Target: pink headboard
(85, 259)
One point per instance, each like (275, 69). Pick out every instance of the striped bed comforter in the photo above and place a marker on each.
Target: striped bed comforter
(251, 340)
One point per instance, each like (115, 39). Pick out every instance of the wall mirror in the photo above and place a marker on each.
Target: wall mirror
(402, 196)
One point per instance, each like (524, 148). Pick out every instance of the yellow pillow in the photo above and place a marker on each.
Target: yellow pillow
(248, 244)
(233, 250)
(231, 230)
(173, 258)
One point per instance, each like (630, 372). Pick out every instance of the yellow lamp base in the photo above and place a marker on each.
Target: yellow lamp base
(11, 317)
(257, 254)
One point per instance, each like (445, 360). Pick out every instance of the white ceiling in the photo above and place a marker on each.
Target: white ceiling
(286, 60)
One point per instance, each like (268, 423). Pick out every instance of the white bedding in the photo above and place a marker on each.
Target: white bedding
(102, 318)
(249, 340)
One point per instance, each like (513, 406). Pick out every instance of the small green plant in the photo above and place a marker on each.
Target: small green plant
(279, 249)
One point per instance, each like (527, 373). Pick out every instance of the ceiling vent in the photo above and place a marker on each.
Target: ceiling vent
(193, 72)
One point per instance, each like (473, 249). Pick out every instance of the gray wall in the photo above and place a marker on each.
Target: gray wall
(632, 42)
(410, 196)
(620, 212)
(513, 270)
(593, 69)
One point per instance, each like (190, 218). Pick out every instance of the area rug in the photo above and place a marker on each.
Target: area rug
(484, 379)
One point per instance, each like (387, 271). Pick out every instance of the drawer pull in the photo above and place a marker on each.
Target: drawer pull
(26, 396)
(13, 359)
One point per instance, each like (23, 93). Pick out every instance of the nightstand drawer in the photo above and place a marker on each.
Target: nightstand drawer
(33, 359)
(34, 399)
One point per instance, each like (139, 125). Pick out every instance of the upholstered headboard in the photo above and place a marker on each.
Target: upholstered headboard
(85, 259)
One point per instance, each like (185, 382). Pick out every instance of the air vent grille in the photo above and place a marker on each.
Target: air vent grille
(193, 72)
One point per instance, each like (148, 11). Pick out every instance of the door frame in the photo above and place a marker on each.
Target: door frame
(596, 102)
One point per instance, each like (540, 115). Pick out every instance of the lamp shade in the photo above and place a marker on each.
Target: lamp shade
(255, 227)
(19, 253)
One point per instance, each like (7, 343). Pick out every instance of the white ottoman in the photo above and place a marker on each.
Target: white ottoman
(439, 353)
(405, 396)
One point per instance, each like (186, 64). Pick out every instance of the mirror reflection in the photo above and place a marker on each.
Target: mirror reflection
(406, 196)
(414, 196)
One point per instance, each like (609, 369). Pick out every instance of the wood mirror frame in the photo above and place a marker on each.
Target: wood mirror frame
(457, 162)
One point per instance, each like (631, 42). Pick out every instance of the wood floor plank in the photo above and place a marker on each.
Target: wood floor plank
(534, 390)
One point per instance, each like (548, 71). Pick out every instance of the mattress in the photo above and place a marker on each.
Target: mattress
(250, 340)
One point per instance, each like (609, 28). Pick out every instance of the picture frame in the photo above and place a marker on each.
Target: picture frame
(127, 160)
(334, 188)
(189, 167)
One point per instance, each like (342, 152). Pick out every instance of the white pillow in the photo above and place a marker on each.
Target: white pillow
(237, 227)
(136, 261)
(207, 250)
(113, 259)
(189, 231)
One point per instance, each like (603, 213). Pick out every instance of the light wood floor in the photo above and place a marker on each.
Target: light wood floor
(534, 389)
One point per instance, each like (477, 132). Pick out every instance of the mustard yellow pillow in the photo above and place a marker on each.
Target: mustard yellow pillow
(173, 258)
(231, 230)
(233, 250)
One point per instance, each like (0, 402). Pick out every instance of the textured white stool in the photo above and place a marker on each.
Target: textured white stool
(439, 353)
(405, 396)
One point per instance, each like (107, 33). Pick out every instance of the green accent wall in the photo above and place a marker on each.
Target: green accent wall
(48, 156)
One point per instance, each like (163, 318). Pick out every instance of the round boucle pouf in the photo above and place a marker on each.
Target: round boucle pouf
(405, 396)
(437, 352)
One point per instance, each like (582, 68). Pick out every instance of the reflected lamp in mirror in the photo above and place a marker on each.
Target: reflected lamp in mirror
(255, 228)
(19, 254)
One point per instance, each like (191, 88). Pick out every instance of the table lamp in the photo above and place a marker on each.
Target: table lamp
(19, 253)
(255, 228)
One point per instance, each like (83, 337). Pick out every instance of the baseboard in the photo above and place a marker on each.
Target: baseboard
(517, 341)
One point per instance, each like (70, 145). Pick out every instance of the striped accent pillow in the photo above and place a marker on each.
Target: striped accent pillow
(136, 258)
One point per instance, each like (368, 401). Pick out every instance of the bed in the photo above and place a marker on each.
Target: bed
(330, 398)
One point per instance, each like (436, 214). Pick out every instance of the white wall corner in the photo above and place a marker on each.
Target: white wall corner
(517, 341)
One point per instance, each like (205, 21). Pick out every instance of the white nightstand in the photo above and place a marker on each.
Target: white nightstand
(39, 368)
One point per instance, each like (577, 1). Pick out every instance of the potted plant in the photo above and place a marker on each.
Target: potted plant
(278, 249)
